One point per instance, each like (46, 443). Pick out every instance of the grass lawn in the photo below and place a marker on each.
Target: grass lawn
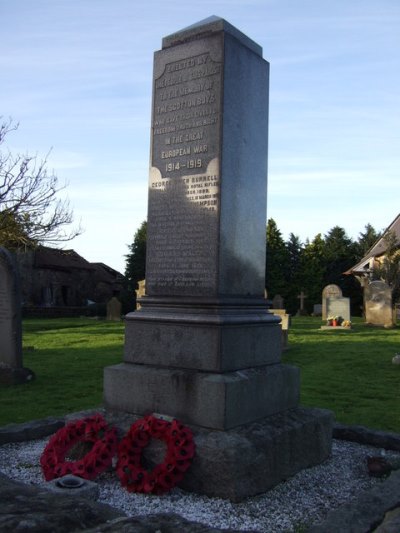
(68, 359)
(350, 373)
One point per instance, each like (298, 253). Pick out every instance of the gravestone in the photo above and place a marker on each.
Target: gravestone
(338, 307)
(302, 311)
(203, 347)
(114, 308)
(378, 304)
(11, 367)
(140, 292)
(278, 302)
(317, 310)
(285, 323)
(330, 291)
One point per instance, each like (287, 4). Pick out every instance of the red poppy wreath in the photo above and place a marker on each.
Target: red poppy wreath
(93, 430)
(163, 477)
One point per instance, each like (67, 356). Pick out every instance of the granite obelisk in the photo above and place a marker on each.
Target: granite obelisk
(203, 347)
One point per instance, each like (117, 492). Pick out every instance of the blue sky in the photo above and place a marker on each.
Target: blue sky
(77, 76)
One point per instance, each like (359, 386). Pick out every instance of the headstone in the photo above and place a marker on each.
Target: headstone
(317, 310)
(140, 292)
(378, 304)
(114, 309)
(203, 347)
(11, 368)
(285, 323)
(277, 302)
(330, 291)
(339, 307)
(302, 297)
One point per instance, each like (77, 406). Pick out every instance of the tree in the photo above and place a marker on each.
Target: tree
(276, 261)
(294, 249)
(135, 269)
(313, 268)
(340, 255)
(366, 240)
(30, 211)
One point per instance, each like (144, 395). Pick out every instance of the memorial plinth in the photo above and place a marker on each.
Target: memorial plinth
(203, 347)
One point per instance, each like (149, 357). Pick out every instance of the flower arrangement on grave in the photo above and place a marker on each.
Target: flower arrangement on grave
(334, 321)
(93, 430)
(163, 477)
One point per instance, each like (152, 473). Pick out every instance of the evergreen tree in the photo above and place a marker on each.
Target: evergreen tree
(312, 270)
(276, 262)
(366, 240)
(340, 255)
(294, 285)
(135, 269)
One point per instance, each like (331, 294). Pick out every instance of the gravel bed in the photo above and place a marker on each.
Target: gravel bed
(302, 500)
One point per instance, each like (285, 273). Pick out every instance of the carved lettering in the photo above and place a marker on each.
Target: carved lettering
(186, 110)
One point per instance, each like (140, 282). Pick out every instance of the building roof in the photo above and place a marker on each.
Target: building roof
(57, 259)
(107, 274)
(377, 249)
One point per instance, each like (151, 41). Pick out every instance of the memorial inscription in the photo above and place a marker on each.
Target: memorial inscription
(184, 189)
(186, 115)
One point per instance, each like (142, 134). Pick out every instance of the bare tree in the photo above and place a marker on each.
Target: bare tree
(30, 211)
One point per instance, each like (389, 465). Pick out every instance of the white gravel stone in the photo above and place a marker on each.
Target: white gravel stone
(302, 500)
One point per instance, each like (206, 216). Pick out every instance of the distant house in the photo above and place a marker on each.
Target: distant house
(364, 268)
(53, 278)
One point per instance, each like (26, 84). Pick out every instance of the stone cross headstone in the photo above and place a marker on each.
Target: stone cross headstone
(378, 304)
(330, 291)
(203, 347)
(114, 309)
(302, 297)
(11, 366)
(278, 302)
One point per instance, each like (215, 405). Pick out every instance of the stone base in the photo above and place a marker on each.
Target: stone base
(15, 376)
(218, 401)
(213, 336)
(252, 459)
(333, 328)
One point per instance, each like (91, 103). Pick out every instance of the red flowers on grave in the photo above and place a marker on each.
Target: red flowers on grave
(93, 430)
(130, 470)
(163, 477)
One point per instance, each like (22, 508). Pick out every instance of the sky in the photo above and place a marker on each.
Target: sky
(77, 77)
